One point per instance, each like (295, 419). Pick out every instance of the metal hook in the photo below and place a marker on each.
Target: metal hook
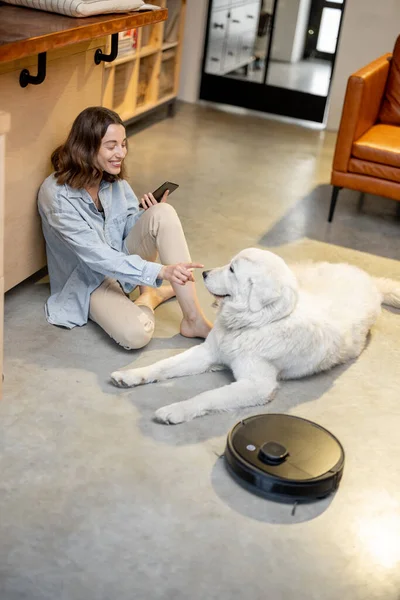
(99, 55)
(25, 77)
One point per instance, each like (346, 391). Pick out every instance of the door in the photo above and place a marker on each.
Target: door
(323, 29)
(276, 56)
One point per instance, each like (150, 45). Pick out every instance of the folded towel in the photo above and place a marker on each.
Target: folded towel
(84, 8)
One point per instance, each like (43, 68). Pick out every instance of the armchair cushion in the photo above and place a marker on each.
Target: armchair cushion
(380, 144)
(390, 108)
(373, 169)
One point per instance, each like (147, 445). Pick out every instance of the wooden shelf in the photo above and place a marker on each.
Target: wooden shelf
(141, 81)
(168, 45)
(148, 51)
(168, 55)
(123, 59)
(144, 108)
(26, 31)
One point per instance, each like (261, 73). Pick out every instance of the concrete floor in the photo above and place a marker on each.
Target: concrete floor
(100, 502)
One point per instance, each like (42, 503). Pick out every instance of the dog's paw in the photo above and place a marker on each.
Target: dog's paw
(172, 414)
(128, 378)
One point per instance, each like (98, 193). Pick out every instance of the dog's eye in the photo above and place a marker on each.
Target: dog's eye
(231, 269)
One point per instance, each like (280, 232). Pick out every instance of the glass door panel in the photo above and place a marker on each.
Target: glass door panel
(272, 55)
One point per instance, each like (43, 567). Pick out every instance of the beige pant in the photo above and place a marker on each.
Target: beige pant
(158, 231)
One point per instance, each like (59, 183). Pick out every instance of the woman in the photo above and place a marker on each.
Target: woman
(101, 244)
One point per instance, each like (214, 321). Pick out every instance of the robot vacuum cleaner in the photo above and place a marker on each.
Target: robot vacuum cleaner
(284, 457)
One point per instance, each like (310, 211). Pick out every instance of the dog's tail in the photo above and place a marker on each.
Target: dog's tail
(390, 291)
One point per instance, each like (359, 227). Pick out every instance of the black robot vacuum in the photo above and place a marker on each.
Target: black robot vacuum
(284, 457)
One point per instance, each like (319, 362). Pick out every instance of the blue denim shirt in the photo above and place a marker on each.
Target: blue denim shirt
(84, 245)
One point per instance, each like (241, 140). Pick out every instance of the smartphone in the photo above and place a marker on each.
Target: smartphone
(160, 191)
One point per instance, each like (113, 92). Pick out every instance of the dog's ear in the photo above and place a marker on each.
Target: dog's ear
(262, 293)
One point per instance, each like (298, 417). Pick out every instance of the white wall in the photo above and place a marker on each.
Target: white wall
(290, 30)
(301, 30)
(369, 29)
(192, 49)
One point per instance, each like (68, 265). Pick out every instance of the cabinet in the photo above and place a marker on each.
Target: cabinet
(145, 73)
(232, 32)
(41, 117)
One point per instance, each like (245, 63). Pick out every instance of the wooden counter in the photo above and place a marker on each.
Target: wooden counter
(41, 115)
(25, 31)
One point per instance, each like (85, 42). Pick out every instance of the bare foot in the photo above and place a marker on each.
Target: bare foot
(199, 327)
(153, 297)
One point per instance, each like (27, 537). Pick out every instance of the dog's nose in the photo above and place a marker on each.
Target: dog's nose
(205, 274)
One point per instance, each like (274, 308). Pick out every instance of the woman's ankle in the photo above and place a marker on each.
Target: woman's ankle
(197, 326)
(153, 297)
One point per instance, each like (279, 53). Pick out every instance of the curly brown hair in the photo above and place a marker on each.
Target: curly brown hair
(74, 161)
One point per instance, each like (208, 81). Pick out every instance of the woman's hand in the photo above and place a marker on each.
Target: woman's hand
(180, 273)
(148, 200)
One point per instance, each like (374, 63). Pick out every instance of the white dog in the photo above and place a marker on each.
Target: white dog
(273, 322)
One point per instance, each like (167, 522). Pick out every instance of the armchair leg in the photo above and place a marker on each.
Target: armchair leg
(335, 193)
(361, 199)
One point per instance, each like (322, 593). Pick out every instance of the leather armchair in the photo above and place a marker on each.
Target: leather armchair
(367, 154)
